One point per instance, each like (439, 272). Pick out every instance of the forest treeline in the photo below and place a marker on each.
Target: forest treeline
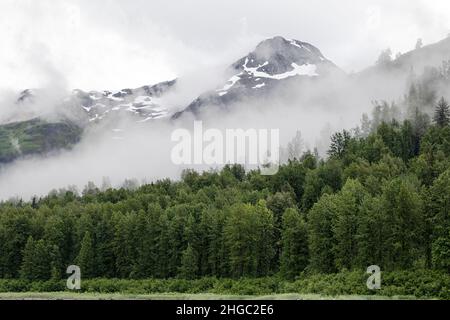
(382, 197)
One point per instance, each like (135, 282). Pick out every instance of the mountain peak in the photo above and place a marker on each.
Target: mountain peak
(277, 55)
(288, 47)
(260, 73)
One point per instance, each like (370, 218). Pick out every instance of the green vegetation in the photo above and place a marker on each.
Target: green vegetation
(382, 197)
(35, 137)
(423, 284)
(181, 296)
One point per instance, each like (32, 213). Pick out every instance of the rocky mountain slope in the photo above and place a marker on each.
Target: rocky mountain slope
(274, 65)
(143, 102)
(36, 133)
(270, 66)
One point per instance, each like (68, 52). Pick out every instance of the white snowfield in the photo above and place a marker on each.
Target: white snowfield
(147, 105)
(259, 86)
(86, 108)
(303, 70)
(309, 70)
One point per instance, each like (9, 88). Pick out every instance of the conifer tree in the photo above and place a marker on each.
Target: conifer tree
(86, 258)
(42, 266)
(442, 113)
(36, 263)
(241, 238)
(189, 264)
(26, 270)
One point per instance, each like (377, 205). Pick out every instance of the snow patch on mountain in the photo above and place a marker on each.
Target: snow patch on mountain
(264, 70)
(259, 85)
(297, 70)
(144, 103)
(230, 83)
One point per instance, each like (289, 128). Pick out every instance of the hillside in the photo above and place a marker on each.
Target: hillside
(278, 69)
(36, 137)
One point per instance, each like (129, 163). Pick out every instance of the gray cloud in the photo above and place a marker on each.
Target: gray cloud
(112, 44)
(115, 44)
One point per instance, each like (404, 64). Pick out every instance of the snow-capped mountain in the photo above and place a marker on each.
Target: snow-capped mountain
(143, 102)
(39, 125)
(275, 66)
(274, 62)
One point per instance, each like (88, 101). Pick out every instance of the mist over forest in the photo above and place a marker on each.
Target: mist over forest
(119, 148)
(97, 98)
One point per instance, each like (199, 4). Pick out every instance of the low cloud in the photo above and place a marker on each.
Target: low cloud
(57, 47)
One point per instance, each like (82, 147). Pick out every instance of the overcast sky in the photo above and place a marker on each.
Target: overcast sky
(113, 44)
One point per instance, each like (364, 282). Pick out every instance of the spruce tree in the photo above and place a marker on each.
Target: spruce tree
(124, 244)
(150, 230)
(85, 258)
(241, 238)
(26, 269)
(189, 264)
(42, 267)
(442, 113)
(36, 264)
(339, 143)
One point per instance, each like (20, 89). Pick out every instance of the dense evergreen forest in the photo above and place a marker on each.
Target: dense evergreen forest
(382, 197)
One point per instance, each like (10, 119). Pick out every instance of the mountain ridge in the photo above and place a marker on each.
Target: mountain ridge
(275, 63)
